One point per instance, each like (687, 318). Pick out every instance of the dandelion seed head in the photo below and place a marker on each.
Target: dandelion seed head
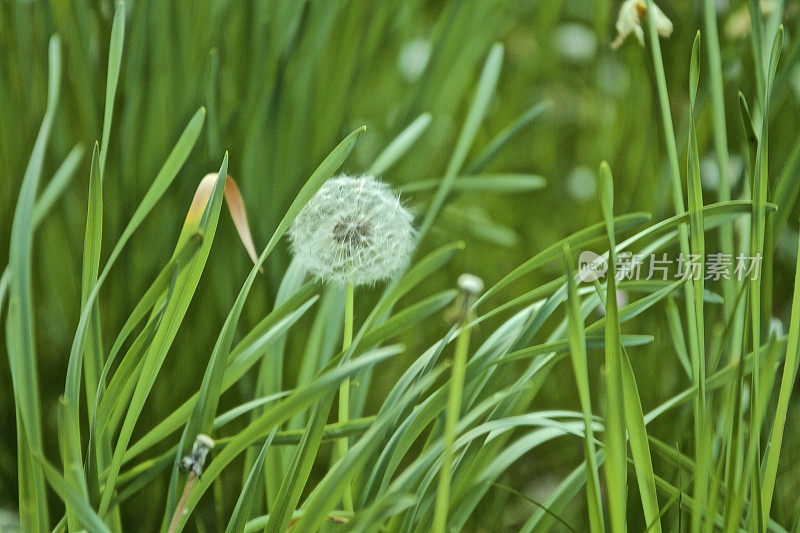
(354, 229)
(470, 283)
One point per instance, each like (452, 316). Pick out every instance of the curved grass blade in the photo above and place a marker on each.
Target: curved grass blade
(773, 451)
(412, 315)
(84, 512)
(502, 139)
(640, 449)
(57, 184)
(203, 217)
(559, 499)
(93, 356)
(243, 357)
(245, 502)
(615, 467)
(301, 399)
(325, 495)
(162, 181)
(108, 399)
(112, 76)
(400, 145)
(51, 193)
(577, 344)
(697, 314)
(499, 183)
(20, 341)
(478, 109)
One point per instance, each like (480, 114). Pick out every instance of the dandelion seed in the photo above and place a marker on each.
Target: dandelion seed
(354, 230)
(630, 21)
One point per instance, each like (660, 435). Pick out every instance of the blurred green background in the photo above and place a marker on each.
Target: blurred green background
(285, 81)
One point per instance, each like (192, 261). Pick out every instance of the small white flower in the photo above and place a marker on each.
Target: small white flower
(353, 230)
(630, 21)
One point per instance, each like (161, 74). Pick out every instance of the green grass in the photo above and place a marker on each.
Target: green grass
(135, 319)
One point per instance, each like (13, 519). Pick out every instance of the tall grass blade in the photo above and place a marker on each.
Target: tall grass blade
(478, 109)
(238, 519)
(19, 323)
(616, 447)
(577, 341)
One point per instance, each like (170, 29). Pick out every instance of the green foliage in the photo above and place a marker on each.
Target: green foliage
(134, 323)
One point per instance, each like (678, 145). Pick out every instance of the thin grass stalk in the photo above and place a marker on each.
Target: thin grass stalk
(577, 338)
(720, 135)
(344, 389)
(615, 468)
(677, 198)
(759, 237)
(454, 397)
(784, 395)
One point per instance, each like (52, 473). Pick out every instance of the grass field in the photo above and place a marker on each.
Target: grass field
(183, 261)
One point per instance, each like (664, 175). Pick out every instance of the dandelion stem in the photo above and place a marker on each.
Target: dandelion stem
(187, 490)
(451, 421)
(344, 389)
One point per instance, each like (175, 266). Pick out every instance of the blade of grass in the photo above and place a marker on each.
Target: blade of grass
(758, 238)
(301, 399)
(93, 356)
(787, 385)
(615, 467)
(57, 184)
(20, 341)
(640, 449)
(477, 111)
(321, 501)
(500, 183)
(720, 135)
(702, 431)
(400, 145)
(541, 520)
(244, 503)
(162, 181)
(503, 138)
(577, 342)
(243, 357)
(93, 359)
(207, 210)
(47, 199)
(67, 493)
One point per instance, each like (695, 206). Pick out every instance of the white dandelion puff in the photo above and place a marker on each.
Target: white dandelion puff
(470, 284)
(353, 230)
(630, 21)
